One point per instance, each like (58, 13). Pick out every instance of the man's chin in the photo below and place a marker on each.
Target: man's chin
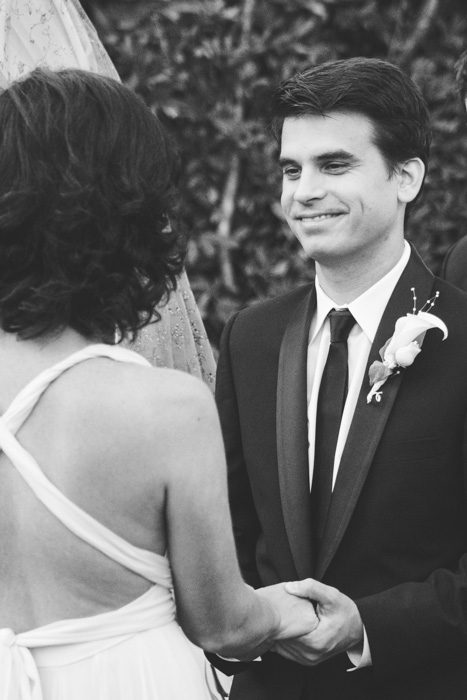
(320, 252)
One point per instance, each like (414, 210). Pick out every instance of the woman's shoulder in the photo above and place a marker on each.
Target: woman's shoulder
(128, 421)
(132, 399)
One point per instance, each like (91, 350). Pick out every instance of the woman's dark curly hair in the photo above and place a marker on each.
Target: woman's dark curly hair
(87, 177)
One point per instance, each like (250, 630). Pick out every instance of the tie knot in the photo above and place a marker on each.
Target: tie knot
(342, 323)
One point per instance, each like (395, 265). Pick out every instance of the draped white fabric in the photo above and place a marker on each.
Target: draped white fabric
(57, 34)
(141, 643)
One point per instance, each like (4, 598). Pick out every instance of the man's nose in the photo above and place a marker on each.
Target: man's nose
(310, 186)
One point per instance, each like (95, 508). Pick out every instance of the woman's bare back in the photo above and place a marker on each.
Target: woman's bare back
(89, 435)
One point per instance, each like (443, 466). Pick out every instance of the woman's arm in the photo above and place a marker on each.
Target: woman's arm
(217, 610)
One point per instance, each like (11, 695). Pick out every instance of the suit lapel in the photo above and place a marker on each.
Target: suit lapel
(292, 434)
(370, 420)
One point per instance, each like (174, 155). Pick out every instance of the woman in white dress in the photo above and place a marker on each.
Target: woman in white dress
(57, 34)
(106, 463)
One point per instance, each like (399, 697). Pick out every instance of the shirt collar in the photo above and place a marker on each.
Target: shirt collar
(368, 308)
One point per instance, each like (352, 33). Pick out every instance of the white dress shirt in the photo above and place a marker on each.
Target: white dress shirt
(367, 311)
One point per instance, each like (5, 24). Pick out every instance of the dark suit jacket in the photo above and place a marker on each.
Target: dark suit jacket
(396, 535)
(455, 264)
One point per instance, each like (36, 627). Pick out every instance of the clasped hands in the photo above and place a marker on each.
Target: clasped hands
(332, 623)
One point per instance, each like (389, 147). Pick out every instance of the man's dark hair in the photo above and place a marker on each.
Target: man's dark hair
(369, 87)
(460, 69)
(87, 178)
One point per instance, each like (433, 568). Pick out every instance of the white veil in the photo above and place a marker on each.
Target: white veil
(57, 34)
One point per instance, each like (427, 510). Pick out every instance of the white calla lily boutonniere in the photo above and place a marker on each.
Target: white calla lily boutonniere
(401, 350)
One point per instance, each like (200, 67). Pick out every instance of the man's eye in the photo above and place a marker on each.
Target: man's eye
(336, 167)
(291, 173)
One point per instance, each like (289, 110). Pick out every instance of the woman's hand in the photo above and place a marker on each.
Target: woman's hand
(297, 615)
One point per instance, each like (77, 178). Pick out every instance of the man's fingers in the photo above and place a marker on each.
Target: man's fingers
(287, 654)
(293, 652)
(313, 590)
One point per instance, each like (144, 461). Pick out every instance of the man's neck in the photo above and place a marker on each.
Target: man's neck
(343, 281)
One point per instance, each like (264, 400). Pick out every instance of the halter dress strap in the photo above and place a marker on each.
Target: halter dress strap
(25, 401)
(149, 565)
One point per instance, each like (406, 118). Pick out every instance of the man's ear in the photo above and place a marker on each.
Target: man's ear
(410, 176)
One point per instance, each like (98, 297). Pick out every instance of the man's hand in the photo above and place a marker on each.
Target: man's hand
(340, 626)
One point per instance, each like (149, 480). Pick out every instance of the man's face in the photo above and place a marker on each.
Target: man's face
(337, 196)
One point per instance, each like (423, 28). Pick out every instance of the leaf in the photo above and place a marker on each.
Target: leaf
(378, 372)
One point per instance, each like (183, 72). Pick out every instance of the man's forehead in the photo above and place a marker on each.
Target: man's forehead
(335, 131)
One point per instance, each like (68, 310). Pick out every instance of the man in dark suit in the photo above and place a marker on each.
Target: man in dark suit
(455, 263)
(357, 490)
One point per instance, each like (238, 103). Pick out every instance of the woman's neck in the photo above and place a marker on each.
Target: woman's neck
(22, 360)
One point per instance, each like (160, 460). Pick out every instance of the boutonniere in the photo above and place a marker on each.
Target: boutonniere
(403, 347)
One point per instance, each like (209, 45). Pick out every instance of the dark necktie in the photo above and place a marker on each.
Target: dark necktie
(331, 399)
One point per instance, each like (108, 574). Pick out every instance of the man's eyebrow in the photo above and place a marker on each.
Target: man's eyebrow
(336, 155)
(339, 154)
(287, 161)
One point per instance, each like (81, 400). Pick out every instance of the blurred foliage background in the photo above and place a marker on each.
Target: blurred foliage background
(207, 67)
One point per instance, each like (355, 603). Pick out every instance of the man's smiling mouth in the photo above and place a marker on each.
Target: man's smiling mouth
(319, 217)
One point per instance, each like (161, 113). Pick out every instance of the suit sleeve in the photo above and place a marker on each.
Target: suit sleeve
(420, 623)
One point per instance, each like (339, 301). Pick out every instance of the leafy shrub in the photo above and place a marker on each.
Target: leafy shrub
(207, 67)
